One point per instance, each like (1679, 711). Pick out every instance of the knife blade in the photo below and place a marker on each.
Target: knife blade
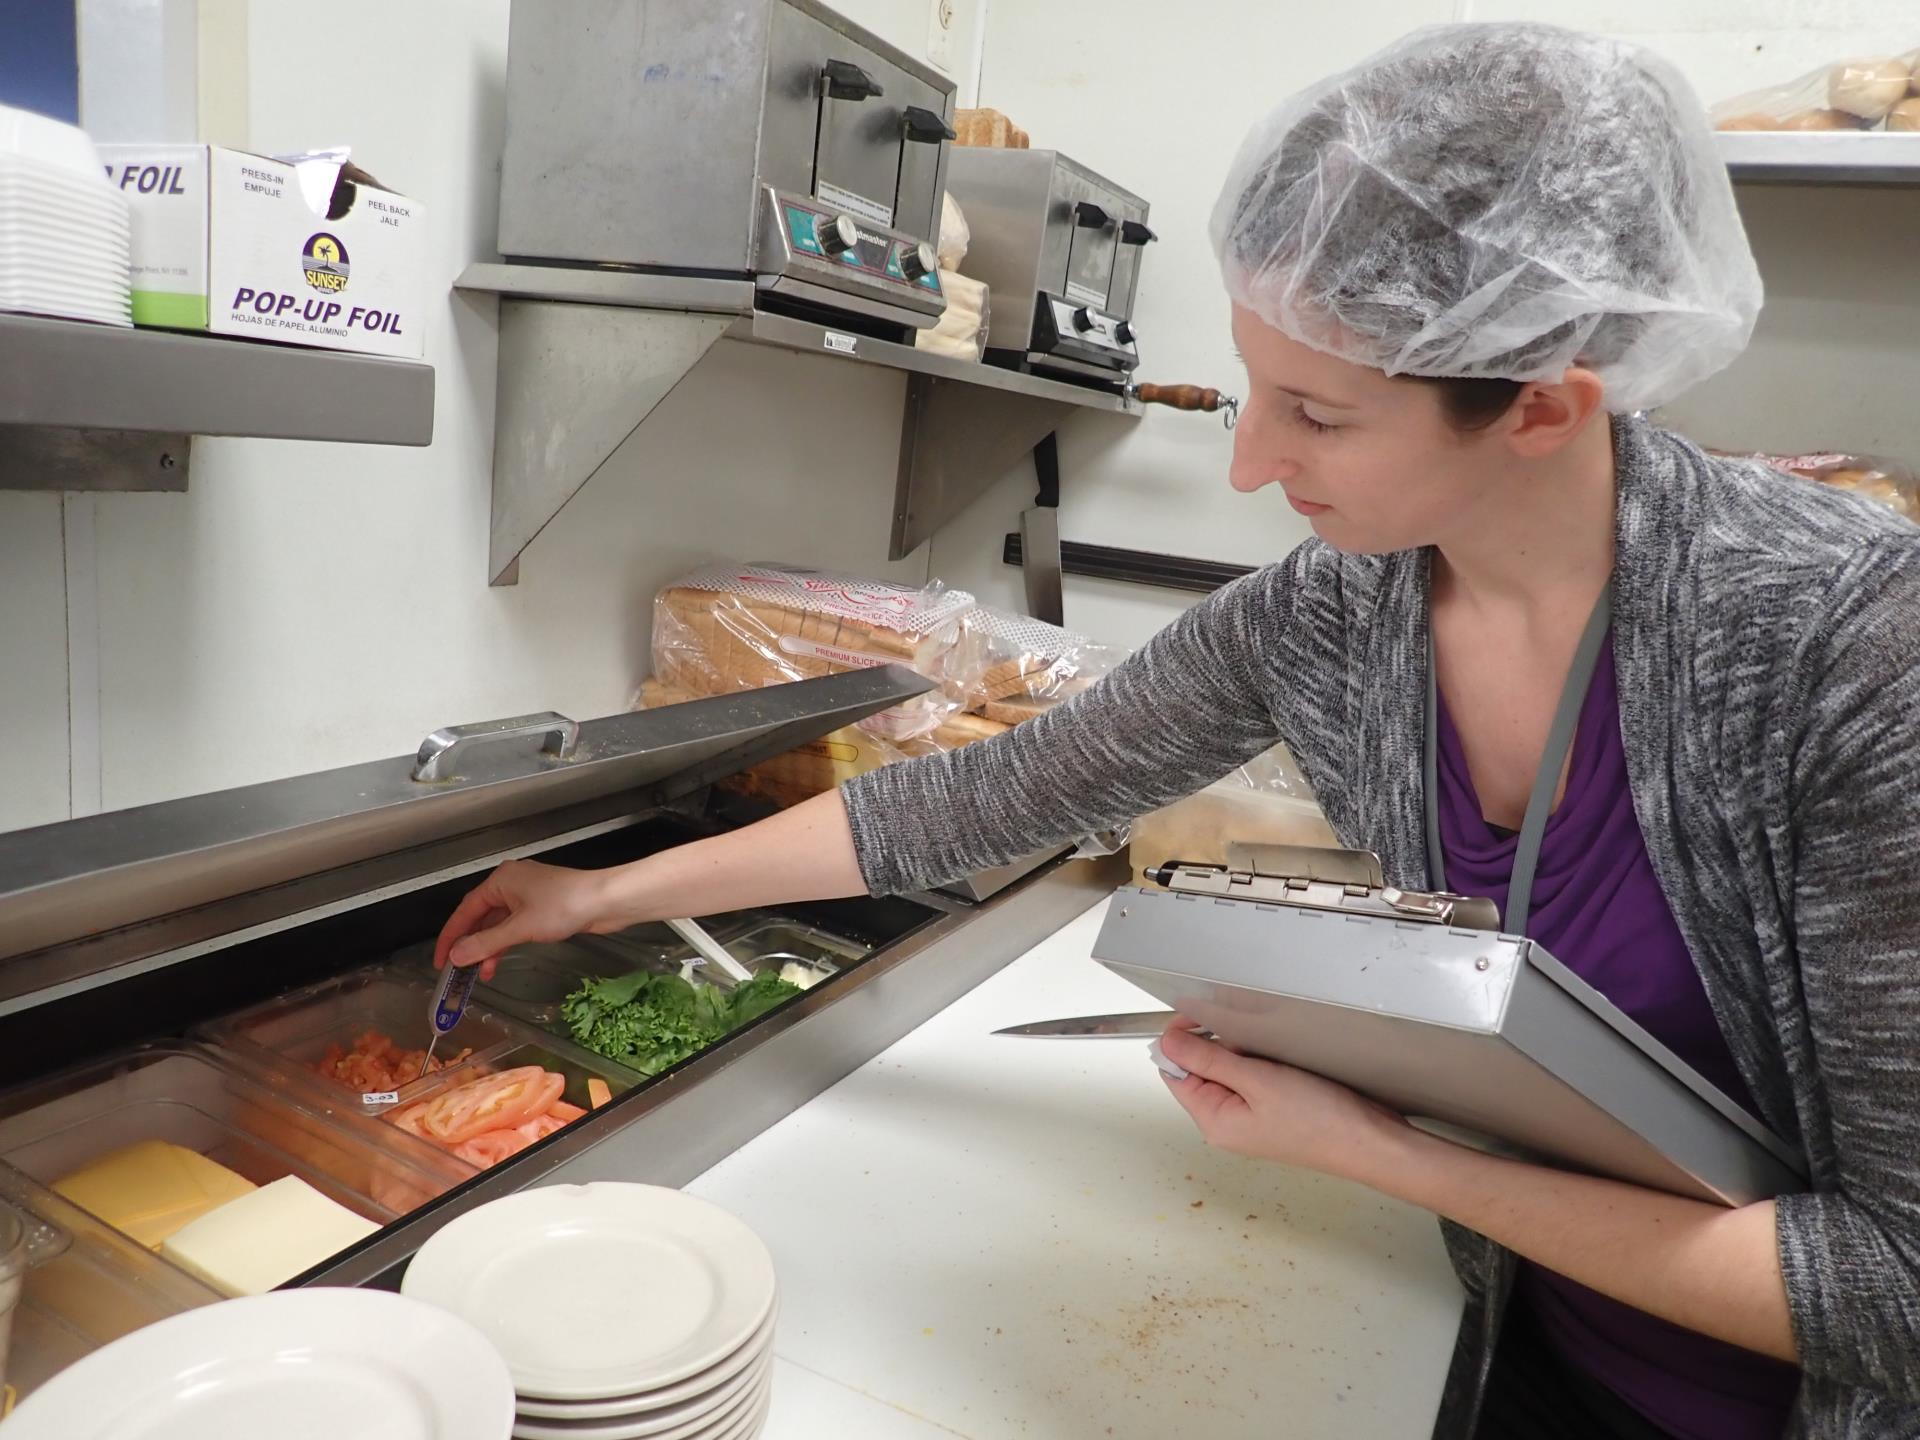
(1135, 1025)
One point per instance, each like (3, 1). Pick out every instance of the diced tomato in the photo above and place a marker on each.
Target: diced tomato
(493, 1102)
(374, 1063)
(563, 1112)
(491, 1148)
(598, 1092)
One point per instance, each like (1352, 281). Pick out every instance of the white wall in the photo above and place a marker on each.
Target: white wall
(33, 661)
(1095, 77)
(311, 605)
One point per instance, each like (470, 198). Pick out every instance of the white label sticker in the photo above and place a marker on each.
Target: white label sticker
(832, 654)
(853, 204)
(1086, 296)
(841, 344)
(380, 1097)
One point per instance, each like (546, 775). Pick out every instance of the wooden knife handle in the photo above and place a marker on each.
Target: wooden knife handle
(1180, 397)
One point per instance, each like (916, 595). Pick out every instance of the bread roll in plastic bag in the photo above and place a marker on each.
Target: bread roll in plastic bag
(961, 331)
(1865, 93)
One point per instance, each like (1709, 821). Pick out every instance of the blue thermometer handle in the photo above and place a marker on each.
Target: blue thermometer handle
(450, 1001)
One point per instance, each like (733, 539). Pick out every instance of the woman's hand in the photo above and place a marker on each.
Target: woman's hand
(1275, 1112)
(522, 902)
(1699, 1265)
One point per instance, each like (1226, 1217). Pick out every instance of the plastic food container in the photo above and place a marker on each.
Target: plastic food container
(85, 1285)
(295, 1032)
(13, 1271)
(773, 943)
(188, 1096)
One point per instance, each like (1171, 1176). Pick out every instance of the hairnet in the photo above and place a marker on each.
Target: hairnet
(1496, 201)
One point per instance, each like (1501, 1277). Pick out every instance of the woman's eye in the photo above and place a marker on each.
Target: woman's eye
(1318, 427)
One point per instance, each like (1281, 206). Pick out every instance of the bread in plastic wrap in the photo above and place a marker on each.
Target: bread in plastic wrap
(1863, 93)
(1010, 667)
(738, 627)
(1264, 802)
(836, 757)
(730, 628)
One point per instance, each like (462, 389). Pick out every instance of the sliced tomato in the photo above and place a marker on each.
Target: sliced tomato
(409, 1120)
(598, 1092)
(493, 1102)
(491, 1148)
(539, 1127)
(563, 1112)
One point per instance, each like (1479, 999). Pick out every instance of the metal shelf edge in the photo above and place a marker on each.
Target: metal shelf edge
(1870, 158)
(69, 374)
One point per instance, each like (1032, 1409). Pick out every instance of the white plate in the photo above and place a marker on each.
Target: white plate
(78, 276)
(48, 142)
(711, 1421)
(95, 299)
(728, 1373)
(294, 1365)
(61, 223)
(49, 312)
(745, 1423)
(662, 1424)
(595, 1291)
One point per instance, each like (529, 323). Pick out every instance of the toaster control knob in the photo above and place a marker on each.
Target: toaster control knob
(919, 262)
(1083, 319)
(836, 235)
(1124, 332)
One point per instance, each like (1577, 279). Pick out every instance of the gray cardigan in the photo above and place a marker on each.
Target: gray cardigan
(1764, 633)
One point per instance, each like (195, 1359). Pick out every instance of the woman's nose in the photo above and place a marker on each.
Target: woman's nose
(1257, 460)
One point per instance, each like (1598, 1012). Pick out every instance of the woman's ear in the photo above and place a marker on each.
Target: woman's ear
(1547, 417)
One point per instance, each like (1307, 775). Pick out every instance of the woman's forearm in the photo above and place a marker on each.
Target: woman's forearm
(805, 853)
(1701, 1266)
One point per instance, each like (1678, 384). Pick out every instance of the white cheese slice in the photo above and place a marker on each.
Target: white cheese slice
(250, 1245)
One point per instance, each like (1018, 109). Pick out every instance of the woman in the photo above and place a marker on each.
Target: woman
(1456, 271)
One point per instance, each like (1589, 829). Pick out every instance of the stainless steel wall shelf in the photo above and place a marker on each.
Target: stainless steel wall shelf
(96, 407)
(1821, 158)
(586, 356)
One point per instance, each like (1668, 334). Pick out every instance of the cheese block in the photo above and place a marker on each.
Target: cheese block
(265, 1238)
(152, 1189)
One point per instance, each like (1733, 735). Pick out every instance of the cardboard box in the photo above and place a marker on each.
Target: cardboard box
(238, 244)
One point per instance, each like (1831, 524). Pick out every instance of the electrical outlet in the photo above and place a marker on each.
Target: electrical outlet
(940, 34)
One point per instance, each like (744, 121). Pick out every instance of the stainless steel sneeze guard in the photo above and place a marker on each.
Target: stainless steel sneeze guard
(82, 878)
(1470, 1028)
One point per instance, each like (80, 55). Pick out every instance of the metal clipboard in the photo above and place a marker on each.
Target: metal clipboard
(1419, 1001)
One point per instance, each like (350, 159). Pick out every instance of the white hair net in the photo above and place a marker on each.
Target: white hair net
(1496, 201)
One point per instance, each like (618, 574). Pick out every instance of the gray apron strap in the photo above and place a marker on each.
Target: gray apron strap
(1533, 829)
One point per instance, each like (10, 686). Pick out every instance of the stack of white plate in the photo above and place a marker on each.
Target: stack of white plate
(294, 1365)
(624, 1312)
(65, 239)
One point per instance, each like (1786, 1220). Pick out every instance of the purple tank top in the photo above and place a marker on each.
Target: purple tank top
(1599, 910)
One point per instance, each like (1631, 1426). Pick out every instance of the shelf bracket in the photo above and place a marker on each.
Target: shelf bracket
(956, 441)
(54, 457)
(574, 382)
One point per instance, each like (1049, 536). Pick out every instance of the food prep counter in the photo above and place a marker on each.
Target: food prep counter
(211, 1010)
(980, 1236)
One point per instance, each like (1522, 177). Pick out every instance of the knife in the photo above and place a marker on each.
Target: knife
(1137, 1025)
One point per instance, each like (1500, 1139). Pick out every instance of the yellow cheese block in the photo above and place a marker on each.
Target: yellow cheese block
(151, 1189)
(252, 1244)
